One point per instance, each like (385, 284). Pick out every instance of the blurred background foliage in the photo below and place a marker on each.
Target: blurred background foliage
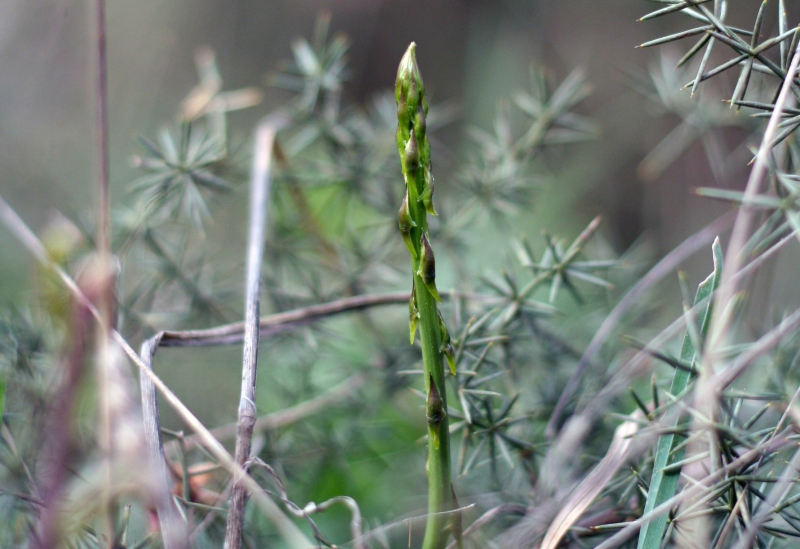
(488, 68)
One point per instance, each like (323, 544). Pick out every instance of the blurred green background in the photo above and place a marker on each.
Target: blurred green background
(473, 52)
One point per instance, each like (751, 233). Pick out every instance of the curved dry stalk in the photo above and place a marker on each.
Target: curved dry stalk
(584, 494)
(173, 529)
(311, 508)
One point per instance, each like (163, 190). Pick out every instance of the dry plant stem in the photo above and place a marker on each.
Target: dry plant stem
(590, 487)
(258, 445)
(173, 529)
(102, 364)
(355, 523)
(279, 322)
(259, 192)
(106, 298)
(286, 528)
(103, 207)
(311, 508)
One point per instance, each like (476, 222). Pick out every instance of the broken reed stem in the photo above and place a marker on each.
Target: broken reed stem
(259, 192)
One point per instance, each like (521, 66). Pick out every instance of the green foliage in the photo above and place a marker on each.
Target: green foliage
(180, 171)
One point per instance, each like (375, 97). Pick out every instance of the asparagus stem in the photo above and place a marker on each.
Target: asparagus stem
(414, 149)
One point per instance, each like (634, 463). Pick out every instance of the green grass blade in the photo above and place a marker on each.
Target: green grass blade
(663, 484)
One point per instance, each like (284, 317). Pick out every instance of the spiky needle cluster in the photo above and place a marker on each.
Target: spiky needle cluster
(415, 156)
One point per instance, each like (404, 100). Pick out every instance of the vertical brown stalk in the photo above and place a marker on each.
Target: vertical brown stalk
(102, 216)
(105, 298)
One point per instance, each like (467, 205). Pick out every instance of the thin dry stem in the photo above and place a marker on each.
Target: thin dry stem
(311, 508)
(488, 516)
(279, 322)
(259, 193)
(589, 488)
(103, 207)
(103, 236)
